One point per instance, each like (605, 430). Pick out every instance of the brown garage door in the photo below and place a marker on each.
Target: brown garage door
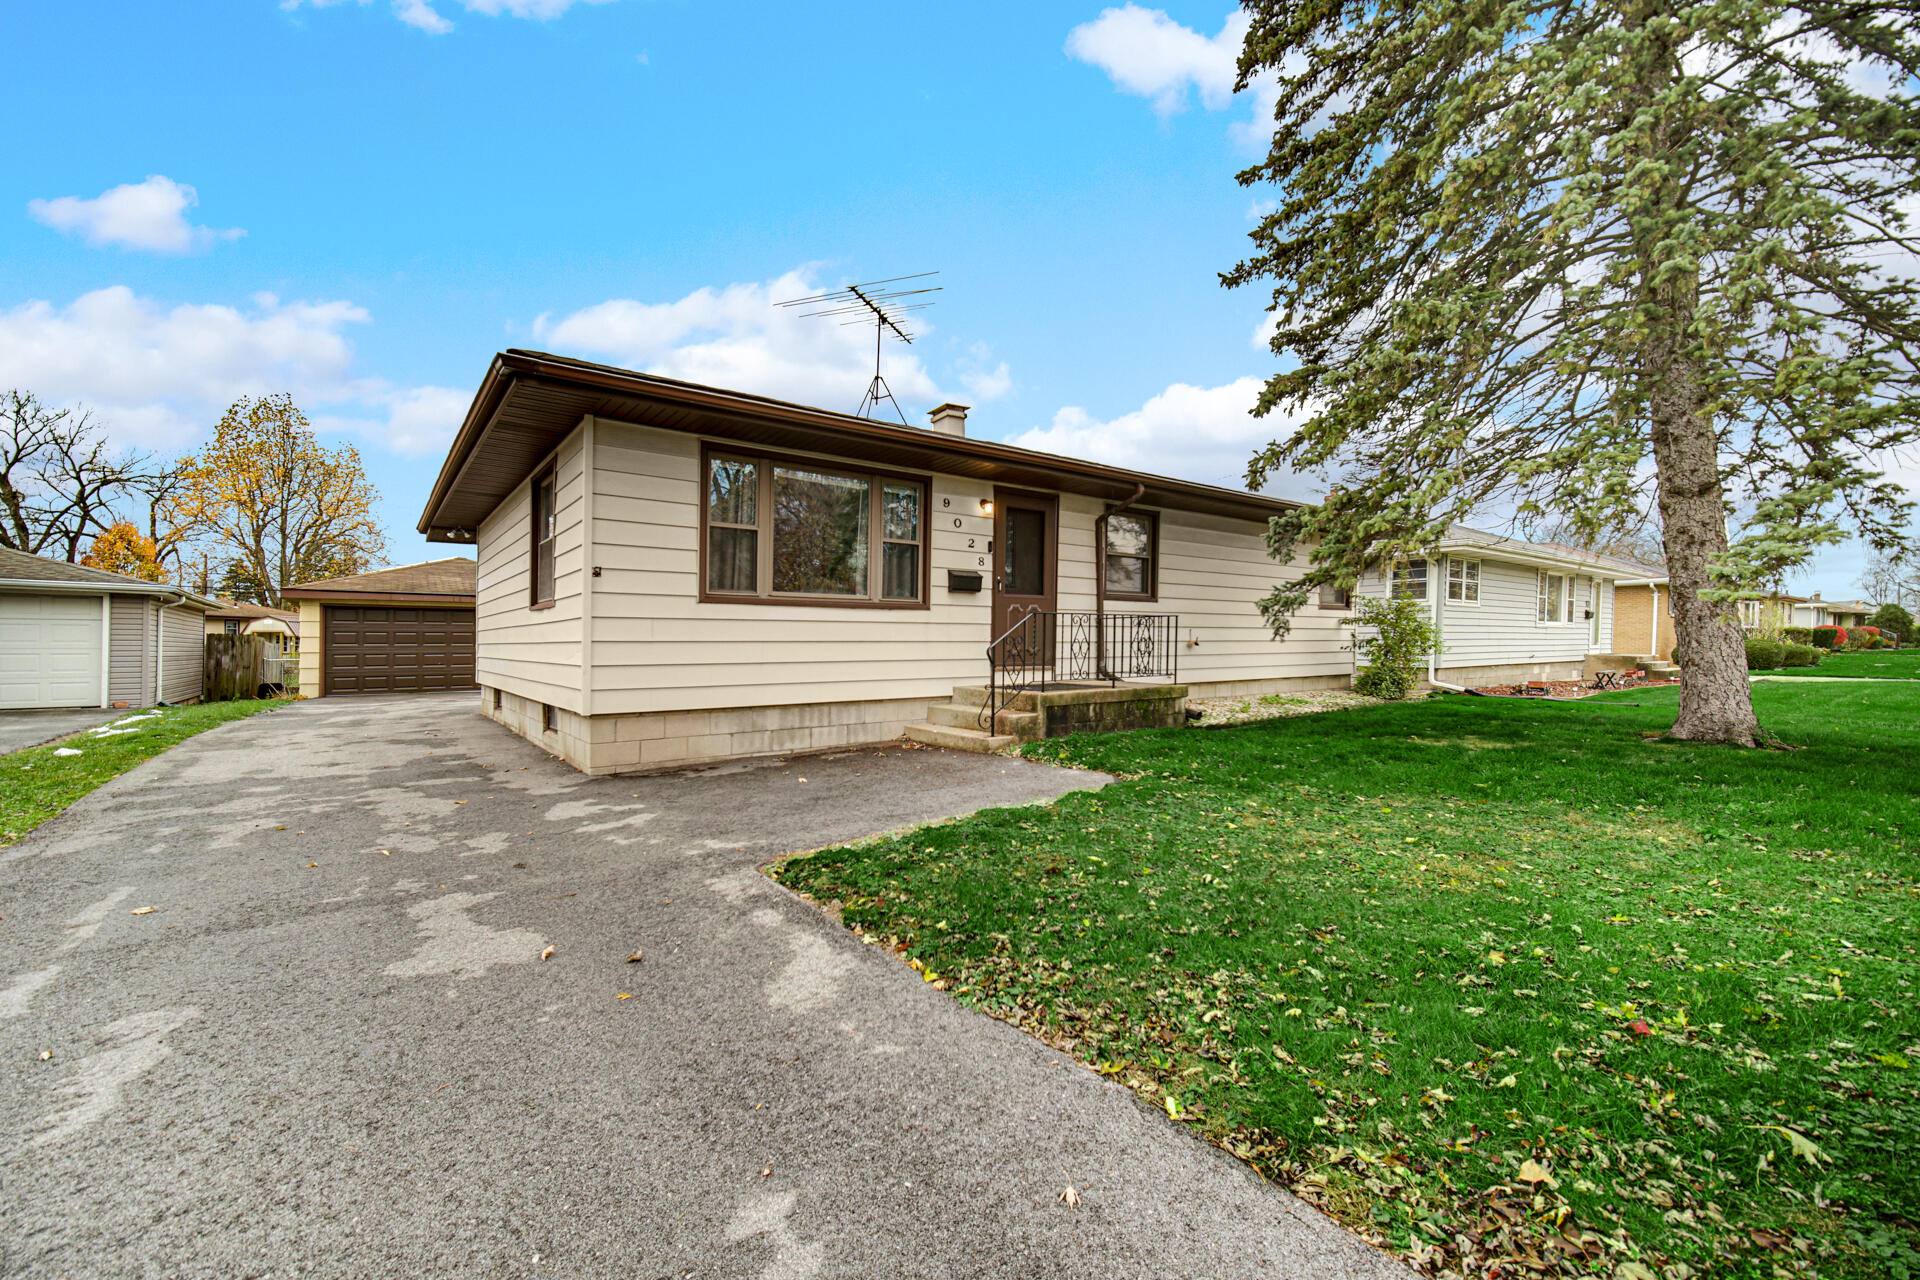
(392, 649)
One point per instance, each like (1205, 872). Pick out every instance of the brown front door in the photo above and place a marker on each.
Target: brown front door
(1026, 541)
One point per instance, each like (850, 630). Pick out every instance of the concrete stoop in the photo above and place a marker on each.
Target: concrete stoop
(1050, 712)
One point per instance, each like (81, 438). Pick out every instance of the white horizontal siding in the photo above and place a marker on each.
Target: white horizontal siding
(657, 647)
(131, 651)
(535, 653)
(182, 640)
(1503, 626)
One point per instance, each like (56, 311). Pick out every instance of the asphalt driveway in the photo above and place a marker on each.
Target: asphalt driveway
(330, 1046)
(22, 729)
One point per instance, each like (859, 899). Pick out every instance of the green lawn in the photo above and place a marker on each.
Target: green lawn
(1485, 979)
(38, 783)
(1868, 664)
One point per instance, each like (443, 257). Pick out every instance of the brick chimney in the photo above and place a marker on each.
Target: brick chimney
(949, 419)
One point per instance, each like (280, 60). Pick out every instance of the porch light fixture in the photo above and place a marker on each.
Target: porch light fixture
(986, 506)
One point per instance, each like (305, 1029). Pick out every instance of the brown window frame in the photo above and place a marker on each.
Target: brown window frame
(1152, 593)
(763, 594)
(1343, 597)
(539, 548)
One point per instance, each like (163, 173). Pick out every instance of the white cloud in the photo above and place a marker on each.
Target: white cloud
(421, 14)
(135, 215)
(1149, 55)
(1192, 433)
(158, 376)
(735, 337)
(981, 375)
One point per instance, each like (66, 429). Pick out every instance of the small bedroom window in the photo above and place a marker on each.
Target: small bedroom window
(1410, 580)
(543, 537)
(1132, 552)
(1463, 581)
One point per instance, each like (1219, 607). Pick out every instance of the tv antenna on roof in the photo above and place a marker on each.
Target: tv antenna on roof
(875, 304)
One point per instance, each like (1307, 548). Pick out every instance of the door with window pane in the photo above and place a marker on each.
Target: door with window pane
(1025, 556)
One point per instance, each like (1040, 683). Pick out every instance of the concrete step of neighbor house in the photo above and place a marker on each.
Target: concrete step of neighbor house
(956, 715)
(955, 738)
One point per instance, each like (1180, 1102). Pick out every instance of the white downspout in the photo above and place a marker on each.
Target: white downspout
(106, 652)
(1439, 588)
(1653, 624)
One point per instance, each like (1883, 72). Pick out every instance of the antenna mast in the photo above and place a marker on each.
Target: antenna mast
(872, 303)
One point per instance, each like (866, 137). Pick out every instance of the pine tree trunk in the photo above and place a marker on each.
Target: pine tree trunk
(1716, 700)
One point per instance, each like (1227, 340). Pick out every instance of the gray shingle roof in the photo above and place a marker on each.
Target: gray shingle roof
(18, 564)
(452, 577)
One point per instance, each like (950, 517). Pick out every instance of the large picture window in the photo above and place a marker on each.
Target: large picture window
(793, 531)
(1132, 553)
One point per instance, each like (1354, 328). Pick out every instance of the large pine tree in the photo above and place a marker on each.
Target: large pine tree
(1558, 258)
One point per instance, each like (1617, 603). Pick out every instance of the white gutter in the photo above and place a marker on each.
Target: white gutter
(82, 586)
(106, 651)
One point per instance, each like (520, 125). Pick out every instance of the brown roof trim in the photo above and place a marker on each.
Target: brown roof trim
(548, 395)
(361, 597)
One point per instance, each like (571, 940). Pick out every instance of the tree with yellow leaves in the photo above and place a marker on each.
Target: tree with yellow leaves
(122, 548)
(285, 509)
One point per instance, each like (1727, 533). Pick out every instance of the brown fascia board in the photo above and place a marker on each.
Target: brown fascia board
(936, 451)
(377, 597)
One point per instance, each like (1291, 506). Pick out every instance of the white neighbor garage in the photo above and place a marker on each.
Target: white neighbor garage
(71, 636)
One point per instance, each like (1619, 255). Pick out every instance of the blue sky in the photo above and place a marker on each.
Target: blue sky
(361, 202)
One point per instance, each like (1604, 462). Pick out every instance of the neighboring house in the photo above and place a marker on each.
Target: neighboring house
(279, 627)
(671, 573)
(71, 636)
(1816, 612)
(1770, 612)
(1643, 616)
(1508, 610)
(404, 630)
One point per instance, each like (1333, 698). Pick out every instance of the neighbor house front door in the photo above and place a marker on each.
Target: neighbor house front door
(1026, 541)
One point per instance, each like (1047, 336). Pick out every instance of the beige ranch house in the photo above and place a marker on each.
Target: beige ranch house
(671, 573)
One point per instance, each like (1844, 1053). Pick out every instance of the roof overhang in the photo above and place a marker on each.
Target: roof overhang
(82, 587)
(530, 401)
(1528, 553)
(381, 597)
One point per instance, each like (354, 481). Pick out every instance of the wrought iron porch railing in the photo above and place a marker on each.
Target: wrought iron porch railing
(1067, 647)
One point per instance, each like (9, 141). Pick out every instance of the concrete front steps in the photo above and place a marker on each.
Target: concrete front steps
(1046, 712)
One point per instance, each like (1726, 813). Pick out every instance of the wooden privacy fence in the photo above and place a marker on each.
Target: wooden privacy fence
(234, 667)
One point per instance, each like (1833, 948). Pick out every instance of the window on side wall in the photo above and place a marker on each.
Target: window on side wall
(1410, 580)
(1463, 581)
(544, 526)
(1132, 555)
(1555, 602)
(803, 532)
(1334, 596)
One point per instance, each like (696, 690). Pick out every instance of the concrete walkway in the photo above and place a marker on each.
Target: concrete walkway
(22, 729)
(331, 1047)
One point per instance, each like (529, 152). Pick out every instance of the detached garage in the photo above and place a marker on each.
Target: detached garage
(71, 636)
(405, 630)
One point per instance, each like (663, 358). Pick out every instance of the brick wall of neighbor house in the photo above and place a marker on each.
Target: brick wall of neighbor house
(1633, 626)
